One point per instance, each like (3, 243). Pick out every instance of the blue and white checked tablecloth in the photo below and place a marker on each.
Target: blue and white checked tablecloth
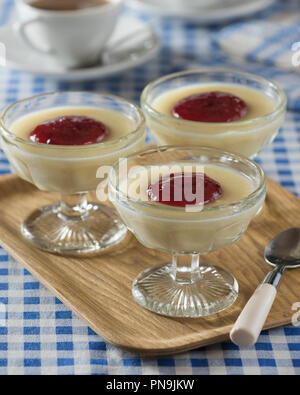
(39, 335)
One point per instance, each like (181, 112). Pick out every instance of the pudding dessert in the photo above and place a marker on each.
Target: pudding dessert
(183, 208)
(234, 111)
(186, 201)
(71, 144)
(58, 142)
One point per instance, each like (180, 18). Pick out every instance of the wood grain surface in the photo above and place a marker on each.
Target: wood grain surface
(98, 289)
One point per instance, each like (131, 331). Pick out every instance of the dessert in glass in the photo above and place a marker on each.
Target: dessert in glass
(186, 201)
(235, 111)
(58, 142)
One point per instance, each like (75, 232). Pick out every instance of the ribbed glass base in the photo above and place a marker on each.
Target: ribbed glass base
(91, 231)
(184, 291)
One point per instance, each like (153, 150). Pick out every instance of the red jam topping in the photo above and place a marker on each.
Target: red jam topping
(211, 107)
(181, 190)
(69, 130)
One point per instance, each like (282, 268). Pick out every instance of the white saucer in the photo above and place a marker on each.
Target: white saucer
(220, 11)
(132, 44)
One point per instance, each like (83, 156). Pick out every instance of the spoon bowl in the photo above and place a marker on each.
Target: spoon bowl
(284, 249)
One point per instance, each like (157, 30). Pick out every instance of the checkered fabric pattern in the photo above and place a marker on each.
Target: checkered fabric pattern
(39, 335)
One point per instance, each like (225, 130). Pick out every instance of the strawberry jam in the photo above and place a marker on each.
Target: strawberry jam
(180, 189)
(211, 107)
(69, 130)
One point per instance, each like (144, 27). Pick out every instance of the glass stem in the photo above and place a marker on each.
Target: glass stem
(73, 206)
(185, 268)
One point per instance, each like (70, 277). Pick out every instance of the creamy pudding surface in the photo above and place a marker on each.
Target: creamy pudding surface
(118, 125)
(234, 185)
(258, 104)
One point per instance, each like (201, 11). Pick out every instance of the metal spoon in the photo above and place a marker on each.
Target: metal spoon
(282, 252)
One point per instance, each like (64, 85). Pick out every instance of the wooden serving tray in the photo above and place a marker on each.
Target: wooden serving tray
(98, 289)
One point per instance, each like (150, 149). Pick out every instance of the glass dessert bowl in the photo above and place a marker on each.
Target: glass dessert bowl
(186, 201)
(235, 111)
(58, 142)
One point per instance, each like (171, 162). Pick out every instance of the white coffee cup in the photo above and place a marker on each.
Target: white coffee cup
(75, 38)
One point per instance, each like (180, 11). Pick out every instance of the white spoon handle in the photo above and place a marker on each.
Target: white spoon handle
(251, 320)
